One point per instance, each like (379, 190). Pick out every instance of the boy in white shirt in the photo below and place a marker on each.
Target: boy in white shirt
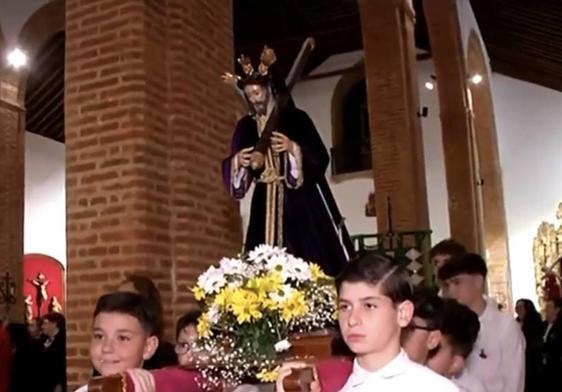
(421, 338)
(374, 304)
(498, 357)
(123, 334)
(459, 331)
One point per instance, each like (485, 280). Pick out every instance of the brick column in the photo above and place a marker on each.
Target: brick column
(456, 118)
(393, 98)
(12, 151)
(147, 124)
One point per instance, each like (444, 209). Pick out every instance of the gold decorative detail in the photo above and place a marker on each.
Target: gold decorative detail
(547, 257)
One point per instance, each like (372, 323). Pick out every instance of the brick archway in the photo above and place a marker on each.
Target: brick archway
(37, 30)
(490, 189)
(474, 185)
(46, 21)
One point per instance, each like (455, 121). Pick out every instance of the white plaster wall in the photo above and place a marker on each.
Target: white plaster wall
(529, 124)
(351, 192)
(45, 203)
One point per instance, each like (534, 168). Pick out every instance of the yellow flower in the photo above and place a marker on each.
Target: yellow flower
(266, 375)
(265, 285)
(223, 297)
(294, 307)
(272, 282)
(269, 304)
(317, 272)
(245, 305)
(203, 326)
(198, 293)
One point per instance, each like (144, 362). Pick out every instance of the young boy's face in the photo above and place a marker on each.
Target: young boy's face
(369, 321)
(418, 340)
(445, 361)
(119, 343)
(465, 288)
(186, 339)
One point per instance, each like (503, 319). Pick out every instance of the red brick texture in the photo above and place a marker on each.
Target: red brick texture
(458, 141)
(393, 99)
(148, 122)
(12, 151)
(477, 213)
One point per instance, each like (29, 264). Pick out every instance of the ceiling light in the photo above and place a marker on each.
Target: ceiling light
(17, 58)
(429, 85)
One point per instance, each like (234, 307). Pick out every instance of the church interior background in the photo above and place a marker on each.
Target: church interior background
(111, 142)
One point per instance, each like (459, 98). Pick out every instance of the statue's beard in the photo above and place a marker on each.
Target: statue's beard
(261, 108)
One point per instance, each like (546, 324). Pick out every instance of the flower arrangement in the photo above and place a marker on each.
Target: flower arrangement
(251, 305)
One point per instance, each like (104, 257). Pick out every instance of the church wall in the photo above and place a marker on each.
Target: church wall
(44, 209)
(352, 191)
(528, 123)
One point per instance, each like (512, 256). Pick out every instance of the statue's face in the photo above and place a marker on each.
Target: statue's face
(258, 96)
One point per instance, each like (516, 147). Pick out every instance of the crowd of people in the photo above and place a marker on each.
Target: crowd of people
(398, 337)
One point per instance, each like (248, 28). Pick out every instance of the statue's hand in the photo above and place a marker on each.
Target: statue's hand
(230, 79)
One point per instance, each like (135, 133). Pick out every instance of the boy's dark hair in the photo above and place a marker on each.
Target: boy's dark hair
(468, 263)
(146, 288)
(131, 304)
(377, 269)
(190, 318)
(429, 307)
(447, 247)
(460, 327)
(56, 318)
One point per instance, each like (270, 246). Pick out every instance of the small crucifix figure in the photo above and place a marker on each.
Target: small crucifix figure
(40, 283)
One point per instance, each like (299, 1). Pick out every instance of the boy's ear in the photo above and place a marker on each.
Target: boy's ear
(405, 312)
(434, 339)
(150, 347)
(457, 365)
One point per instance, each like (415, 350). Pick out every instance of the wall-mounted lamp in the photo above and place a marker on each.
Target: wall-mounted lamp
(430, 84)
(476, 79)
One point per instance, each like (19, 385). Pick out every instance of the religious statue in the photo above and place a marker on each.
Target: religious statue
(28, 301)
(277, 148)
(40, 283)
(54, 305)
(547, 252)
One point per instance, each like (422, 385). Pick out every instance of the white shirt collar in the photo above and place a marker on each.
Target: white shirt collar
(489, 310)
(398, 365)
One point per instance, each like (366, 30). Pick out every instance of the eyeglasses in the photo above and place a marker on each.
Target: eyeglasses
(423, 328)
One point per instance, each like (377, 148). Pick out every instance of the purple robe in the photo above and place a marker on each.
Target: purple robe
(310, 211)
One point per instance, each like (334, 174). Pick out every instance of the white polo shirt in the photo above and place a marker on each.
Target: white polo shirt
(468, 383)
(399, 375)
(498, 356)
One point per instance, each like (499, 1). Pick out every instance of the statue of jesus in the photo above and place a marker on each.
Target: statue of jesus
(292, 205)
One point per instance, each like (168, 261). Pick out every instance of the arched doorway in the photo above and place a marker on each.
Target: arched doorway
(39, 27)
(488, 170)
